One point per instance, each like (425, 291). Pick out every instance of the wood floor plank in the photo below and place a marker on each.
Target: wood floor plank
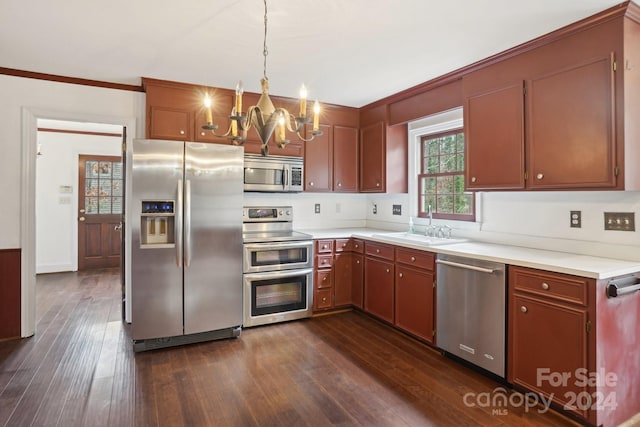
(340, 370)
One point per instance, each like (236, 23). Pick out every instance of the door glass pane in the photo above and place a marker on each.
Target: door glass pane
(103, 187)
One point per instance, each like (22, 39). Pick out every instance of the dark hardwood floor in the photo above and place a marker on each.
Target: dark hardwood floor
(344, 369)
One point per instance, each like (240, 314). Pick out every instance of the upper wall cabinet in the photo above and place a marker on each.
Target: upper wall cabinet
(383, 153)
(331, 160)
(557, 117)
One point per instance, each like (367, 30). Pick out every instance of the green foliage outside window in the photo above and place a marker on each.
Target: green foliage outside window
(441, 180)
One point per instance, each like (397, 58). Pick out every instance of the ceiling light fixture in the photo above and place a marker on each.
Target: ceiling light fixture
(263, 116)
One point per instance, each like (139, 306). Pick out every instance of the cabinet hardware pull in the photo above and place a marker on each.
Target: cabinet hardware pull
(324, 246)
(324, 279)
(356, 246)
(545, 286)
(388, 271)
(473, 179)
(377, 251)
(540, 176)
(358, 261)
(523, 309)
(344, 245)
(181, 132)
(400, 275)
(413, 259)
(311, 183)
(339, 184)
(324, 299)
(377, 184)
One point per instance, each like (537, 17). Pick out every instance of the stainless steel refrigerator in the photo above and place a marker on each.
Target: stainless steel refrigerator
(185, 214)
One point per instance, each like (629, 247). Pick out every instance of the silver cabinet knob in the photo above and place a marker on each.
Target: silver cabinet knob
(181, 132)
(523, 309)
(545, 286)
(310, 183)
(540, 176)
(400, 275)
(202, 133)
(377, 184)
(339, 184)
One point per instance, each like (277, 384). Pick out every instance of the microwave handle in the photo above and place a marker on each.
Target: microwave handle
(285, 175)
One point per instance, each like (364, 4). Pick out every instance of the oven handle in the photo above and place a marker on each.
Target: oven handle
(279, 245)
(277, 274)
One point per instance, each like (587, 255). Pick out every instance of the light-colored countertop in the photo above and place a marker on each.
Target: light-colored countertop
(559, 262)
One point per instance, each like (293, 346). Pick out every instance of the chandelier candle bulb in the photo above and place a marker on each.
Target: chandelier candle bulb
(207, 104)
(239, 92)
(316, 114)
(303, 101)
(281, 128)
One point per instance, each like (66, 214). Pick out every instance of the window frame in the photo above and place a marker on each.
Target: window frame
(421, 174)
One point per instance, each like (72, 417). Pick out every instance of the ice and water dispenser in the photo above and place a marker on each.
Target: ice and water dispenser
(157, 224)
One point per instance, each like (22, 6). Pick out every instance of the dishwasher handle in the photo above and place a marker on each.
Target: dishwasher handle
(465, 266)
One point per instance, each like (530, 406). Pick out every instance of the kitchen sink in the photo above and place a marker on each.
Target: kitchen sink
(420, 238)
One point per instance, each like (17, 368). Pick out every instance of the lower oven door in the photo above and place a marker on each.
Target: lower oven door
(277, 296)
(259, 257)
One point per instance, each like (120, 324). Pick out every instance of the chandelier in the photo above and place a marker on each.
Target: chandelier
(264, 117)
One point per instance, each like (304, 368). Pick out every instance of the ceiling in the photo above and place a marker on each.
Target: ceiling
(346, 52)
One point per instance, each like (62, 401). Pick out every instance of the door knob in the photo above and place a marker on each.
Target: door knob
(81, 210)
(81, 219)
(117, 227)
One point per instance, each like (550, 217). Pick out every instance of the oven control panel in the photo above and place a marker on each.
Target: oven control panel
(267, 214)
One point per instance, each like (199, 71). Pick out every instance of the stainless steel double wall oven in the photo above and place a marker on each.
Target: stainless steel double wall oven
(277, 266)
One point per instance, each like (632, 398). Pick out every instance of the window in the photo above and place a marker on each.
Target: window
(441, 177)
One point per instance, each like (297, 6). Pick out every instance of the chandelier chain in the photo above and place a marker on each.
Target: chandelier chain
(265, 51)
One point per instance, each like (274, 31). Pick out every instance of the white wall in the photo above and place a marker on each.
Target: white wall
(23, 101)
(56, 210)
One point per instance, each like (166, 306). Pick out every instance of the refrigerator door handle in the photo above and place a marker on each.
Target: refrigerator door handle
(284, 177)
(178, 225)
(187, 222)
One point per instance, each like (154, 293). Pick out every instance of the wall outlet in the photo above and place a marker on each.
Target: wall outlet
(397, 210)
(375, 209)
(575, 219)
(317, 208)
(620, 221)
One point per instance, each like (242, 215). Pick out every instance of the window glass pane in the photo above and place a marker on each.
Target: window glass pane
(448, 163)
(91, 169)
(464, 204)
(116, 187)
(460, 142)
(105, 169)
(104, 205)
(448, 144)
(91, 187)
(117, 170)
(105, 187)
(445, 203)
(116, 205)
(460, 161)
(433, 165)
(444, 184)
(91, 205)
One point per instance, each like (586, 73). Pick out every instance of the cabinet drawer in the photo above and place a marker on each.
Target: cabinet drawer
(563, 287)
(322, 298)
(324, 279)
(324, 261)
(349, 245)
(324, 246)
(420, 259)
(379, 250)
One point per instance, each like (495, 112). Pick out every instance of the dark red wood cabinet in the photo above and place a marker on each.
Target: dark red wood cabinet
(550, 319)
(338, 273)
(415, 293)
(345, 159)
(379, 281)
(319, 161)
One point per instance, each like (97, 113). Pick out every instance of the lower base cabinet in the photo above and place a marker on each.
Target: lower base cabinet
(549, 337)
(415, 293)
(338, 274)
(379, 288)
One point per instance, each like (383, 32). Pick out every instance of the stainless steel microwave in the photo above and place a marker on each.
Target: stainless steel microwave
(275, 174)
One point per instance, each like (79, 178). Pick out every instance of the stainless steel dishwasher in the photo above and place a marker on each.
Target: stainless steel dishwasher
(471, 310)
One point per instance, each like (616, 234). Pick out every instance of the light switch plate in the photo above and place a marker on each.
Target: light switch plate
(397, 210)
(620, 221)
(575, 219)
(317, 208)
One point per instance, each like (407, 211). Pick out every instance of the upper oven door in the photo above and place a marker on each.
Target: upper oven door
(276, 256)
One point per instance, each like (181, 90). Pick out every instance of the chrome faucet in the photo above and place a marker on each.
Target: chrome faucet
(430, 230)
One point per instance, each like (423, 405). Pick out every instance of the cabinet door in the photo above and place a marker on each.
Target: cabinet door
(318, 162)
(494, 138)
(378, 288)
(345, 159)
(170, 123)
(414, 302)
(342, 282)
(372, 158)
(357, 280)
(547, 341)
(571, 127)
